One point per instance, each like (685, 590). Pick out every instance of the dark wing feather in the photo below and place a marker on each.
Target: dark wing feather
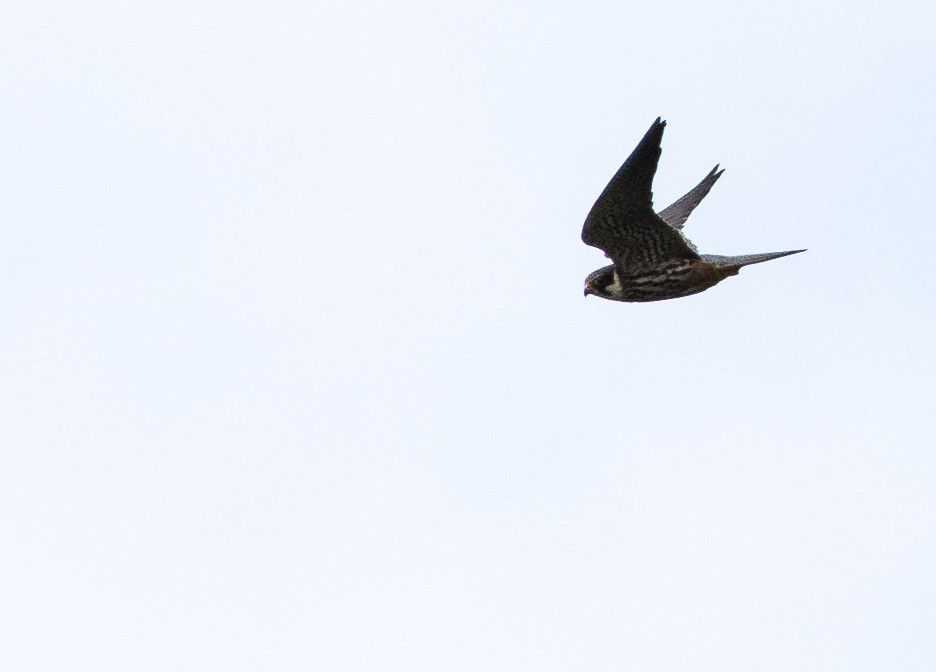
(677, 214)
(622, 221)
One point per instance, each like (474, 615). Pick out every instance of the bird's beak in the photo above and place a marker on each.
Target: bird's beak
(587, 291)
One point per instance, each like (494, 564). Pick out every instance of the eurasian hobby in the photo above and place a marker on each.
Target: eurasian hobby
(653, 260)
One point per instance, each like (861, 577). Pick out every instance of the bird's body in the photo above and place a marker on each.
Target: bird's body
(669, 280)
(653, 260)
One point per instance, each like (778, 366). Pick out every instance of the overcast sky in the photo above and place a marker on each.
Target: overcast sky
(297, 374)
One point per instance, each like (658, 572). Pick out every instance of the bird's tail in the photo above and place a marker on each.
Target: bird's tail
(735, 263)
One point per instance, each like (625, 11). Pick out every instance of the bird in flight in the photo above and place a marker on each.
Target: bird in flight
(653, 260)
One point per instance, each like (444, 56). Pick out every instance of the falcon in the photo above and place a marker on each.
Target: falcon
(652, 259)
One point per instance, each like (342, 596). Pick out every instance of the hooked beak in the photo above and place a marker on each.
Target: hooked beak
(587, 290)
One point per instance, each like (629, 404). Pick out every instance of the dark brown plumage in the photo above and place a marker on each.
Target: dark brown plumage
(652, 259)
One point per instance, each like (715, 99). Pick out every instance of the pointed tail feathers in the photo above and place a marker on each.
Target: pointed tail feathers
(736, 262)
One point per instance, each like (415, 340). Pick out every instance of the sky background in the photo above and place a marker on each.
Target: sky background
(297, 374)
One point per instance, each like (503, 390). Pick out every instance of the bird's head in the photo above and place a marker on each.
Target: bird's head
(599, 282)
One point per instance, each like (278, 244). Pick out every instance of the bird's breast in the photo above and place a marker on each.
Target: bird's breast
(676, 278)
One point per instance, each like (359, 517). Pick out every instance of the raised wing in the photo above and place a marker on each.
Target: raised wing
(622, 221)
(677, 214)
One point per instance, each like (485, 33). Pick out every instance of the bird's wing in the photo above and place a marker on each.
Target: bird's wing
(622, 221)
(677, 214)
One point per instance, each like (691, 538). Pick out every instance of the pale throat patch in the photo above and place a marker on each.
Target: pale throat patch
(615, 288)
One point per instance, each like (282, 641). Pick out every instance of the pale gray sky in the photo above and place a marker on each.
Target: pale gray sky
(297, 373)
